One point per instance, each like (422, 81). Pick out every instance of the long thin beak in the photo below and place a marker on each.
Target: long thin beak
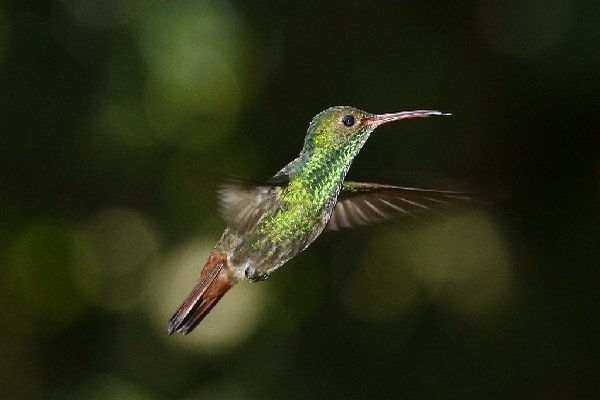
(381, 119)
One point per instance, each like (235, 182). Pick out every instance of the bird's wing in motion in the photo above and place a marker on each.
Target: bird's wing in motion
(361, 203)
(242, 204)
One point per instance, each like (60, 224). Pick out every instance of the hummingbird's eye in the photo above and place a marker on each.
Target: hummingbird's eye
(348, 120)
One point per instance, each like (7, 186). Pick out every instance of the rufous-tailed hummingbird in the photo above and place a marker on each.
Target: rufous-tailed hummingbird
(270, 223)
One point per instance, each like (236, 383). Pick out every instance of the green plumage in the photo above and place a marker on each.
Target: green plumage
(296, 211)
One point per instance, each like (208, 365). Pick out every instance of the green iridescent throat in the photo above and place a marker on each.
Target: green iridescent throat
(315, 179)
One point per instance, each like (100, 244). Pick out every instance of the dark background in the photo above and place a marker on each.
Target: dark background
(118, 120)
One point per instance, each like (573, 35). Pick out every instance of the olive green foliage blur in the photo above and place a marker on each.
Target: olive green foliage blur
(119, 119)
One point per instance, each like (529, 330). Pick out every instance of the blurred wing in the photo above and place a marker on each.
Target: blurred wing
(243, 204)
(361, 203)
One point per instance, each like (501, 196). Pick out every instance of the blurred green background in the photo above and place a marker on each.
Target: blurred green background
(118, 120)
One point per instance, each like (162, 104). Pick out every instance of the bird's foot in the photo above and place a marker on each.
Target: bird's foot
(254, 275)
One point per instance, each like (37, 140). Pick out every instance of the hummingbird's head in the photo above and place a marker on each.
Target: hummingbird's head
(338, 127)
(348, 127)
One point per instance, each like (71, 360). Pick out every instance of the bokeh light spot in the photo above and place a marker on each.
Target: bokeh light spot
(123, 124)
(108, 387)
(463, 264)
(382, 287)
(527, 28)
(122, 244)
(232, 321)
(38, 277)
(192, 51)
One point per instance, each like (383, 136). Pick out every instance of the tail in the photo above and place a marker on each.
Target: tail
(213, 283)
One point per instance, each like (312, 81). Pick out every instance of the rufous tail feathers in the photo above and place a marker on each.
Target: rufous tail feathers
(213, 283)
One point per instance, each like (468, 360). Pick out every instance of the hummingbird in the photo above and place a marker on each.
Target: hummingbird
(269, 223)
